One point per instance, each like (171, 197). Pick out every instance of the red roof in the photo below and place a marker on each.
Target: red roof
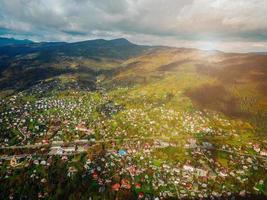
(116, 186)
(140, 195)
(138, 185)
(125, 184)
(95, 175)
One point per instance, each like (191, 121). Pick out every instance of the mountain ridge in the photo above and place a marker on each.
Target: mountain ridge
(12, 41)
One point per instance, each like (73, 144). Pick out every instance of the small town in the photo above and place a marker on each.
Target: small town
(127, 151)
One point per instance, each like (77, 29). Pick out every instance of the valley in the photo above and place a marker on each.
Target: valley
(115, 120)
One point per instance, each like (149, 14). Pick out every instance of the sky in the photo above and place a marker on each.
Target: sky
(227, 25)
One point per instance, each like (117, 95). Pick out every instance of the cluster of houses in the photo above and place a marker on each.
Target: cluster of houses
(44, 119)
(45, 87)
(164, 121)
(133, 167)
(72, 117)
(149, 165)
(209, 170)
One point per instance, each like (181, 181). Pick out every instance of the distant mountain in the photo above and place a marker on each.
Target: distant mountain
(260, 53)
(117, 48)
(120, 42)
(114, 42)
(12, 41)
(48, 59)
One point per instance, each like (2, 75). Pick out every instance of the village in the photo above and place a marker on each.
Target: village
(155, 153)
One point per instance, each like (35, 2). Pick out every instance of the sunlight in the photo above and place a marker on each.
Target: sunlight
(208, 46)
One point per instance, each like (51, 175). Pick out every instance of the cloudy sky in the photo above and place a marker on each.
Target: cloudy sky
(229, 25)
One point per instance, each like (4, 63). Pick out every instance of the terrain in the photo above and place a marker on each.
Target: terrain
(107, 119)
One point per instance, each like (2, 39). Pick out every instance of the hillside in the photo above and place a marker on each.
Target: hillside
(115, 120)
(12, 41)
(22, 66)
(233, 84)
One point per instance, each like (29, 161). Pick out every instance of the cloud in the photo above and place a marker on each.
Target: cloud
(149, 21)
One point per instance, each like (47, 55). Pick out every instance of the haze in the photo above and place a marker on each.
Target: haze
(236, 26)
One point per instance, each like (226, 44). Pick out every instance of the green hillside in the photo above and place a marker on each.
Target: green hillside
(114, 120)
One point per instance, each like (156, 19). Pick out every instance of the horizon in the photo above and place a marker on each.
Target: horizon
(133, 99)
(224, 25)
(152, 45)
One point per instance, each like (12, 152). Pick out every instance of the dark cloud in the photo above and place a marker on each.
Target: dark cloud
(183, 22)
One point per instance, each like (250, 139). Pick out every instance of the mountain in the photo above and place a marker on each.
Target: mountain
(41, 60)
(102, 42)
(109, 119)
(118, 48)
(120, 42)
(126, 64)
(261, 53)
(12, 41)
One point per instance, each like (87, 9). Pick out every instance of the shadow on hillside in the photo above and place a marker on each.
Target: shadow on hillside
(215, 97)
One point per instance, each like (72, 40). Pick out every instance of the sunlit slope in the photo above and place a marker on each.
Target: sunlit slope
(231, 84)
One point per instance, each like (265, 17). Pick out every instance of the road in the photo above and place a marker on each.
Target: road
(34, 146)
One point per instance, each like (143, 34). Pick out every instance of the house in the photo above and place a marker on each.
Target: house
(82, 128)
(161, 144)
(132, 170)
(13, 162)
(141, 195)
(207, 145)
(56, 150)
(138, 185)
(263, 152)
(201, 172)
(188, 168)
(122, 152)
(72, 170)
(116, 187)
(81, 148)
(64, 158)
(192, 143)
(125, 184)
(83, 141)
(45, 141)
(43, 162)
(57, 142)
(36, 162)
(223, 173)
(256, 147)
(69, 150)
